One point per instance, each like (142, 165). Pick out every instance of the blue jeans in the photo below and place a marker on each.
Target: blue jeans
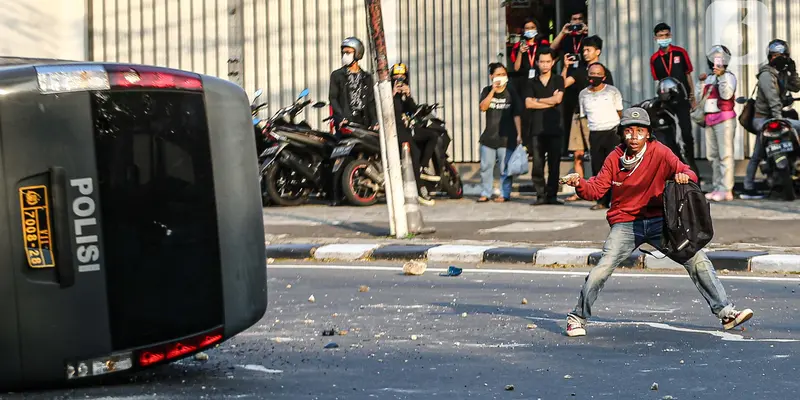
(489, 158)
(626, 237)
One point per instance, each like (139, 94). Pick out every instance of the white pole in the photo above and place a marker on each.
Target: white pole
(390, 158)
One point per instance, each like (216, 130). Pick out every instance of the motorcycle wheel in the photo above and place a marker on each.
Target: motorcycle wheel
(357, 194)
(787, 184)
(275, 180)
(451, 182)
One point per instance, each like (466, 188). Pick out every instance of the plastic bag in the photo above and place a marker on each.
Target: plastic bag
(518, 162)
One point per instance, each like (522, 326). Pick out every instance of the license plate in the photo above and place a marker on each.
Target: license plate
(782, 147)
(36, 232)
(271, 151)
(342, 151)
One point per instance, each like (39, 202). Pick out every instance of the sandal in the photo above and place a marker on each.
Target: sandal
(483, 199)
(572, 198)
(501, 200)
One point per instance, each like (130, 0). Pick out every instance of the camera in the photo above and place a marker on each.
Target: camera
(573, 57)
(576, 27)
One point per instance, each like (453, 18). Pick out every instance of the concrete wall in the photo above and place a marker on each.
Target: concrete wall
(44, 28)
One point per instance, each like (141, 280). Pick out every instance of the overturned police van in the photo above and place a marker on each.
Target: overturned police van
(133, 223)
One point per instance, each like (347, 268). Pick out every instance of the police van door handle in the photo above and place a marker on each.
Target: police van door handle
(65, 266)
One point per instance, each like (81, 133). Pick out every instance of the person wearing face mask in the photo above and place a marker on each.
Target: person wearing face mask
(601, 105)
(351, 92)
(673, 61)
(636, 173)
(503, 108)
(720, 119)
(576, 80)
(525, 59)
(776, 80)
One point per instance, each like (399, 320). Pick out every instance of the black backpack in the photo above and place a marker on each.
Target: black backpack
(687, 221)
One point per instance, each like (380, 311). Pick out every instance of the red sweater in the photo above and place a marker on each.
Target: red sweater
(635, 195)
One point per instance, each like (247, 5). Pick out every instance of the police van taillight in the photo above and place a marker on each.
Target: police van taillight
(54, 79)
(178, 349)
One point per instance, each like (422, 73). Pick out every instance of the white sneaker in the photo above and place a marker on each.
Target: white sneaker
(736, 318)
(575, 326)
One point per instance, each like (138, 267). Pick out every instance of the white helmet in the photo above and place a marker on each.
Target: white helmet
(356, 45)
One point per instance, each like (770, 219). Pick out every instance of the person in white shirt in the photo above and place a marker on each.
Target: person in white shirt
(719, 87)
(601, 105)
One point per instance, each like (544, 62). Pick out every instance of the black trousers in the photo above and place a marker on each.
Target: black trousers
(683, 112)
(602, 143)
(426, 139)
(546, 147)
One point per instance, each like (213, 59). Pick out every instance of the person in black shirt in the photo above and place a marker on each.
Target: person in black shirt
(575, 80)
(543, 100)
(524, 57)
(503, 131)
(351, 92)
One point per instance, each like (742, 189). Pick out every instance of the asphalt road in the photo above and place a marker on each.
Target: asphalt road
(467, 337)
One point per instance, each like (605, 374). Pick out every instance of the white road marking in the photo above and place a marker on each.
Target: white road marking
(725, 336)
(581, 274)
(518, 227)
(260, 368)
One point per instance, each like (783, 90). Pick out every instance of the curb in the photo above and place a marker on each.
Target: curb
(741, 261)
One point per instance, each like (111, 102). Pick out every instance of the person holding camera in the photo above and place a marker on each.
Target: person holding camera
(776, 80)
(503, 108)
(576, 80)
(405, 105)
(720, 119)
(570, 39)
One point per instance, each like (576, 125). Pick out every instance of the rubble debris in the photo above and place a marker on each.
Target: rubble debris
(201, 356)
(654, 386)
(463, 315)
(524, 301)
(312, 299)
(667, 397)
(567, 376)
(289, 286)
(363, 288)
(509, 387)
(332, 345)
(725, 272)
(414, 267)
(532, 326)
(413, 337)
(329, 332)
(342, 333)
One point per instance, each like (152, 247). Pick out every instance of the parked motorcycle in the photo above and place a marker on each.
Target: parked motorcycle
(781, 148)
(664, 126)
(258, 124)
(299, 160)
(425, 118)
(358, 157)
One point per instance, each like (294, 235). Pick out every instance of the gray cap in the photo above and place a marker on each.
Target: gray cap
(635, 116)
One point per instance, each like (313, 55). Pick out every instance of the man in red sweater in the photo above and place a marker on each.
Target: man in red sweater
(637, 172)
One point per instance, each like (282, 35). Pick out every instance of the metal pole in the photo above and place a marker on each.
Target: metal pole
(235, 41)
(391, 162)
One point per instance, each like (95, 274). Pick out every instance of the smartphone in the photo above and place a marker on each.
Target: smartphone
(576, 27)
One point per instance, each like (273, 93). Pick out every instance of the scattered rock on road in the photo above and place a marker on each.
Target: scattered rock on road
(414, 268)
(532, 326)
(654, 386)
(524, 301)
(312, 299)
(363, 288)
(509, 387)
(201, 356)
(567, 376)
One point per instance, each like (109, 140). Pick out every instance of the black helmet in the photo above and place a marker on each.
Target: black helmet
(714, 52)
(356, 45)
(671, 90)
(777, 46)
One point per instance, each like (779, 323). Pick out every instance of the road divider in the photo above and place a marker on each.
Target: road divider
(742, 261)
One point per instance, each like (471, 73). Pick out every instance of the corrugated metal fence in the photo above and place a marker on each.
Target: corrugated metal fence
(626, 27)
(448, 45)
(288, 44)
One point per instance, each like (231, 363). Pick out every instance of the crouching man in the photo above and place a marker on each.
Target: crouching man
(636, 173)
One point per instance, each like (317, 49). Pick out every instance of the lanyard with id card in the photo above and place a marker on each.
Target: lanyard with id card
(531, 60)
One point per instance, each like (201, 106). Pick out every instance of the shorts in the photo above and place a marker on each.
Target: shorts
(579, 134)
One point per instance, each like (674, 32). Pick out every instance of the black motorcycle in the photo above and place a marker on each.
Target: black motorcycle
(357, 163)
(449, 181)
(299, 160)
(262, 141)
(664, 126)
(781, 149)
